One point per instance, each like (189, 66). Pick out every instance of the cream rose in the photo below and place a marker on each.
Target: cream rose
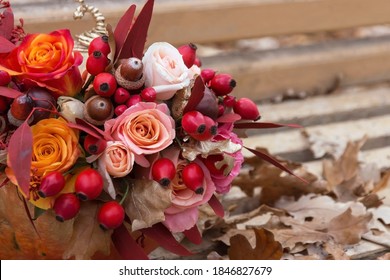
(145, 128)
(118, 158)
(165, 70)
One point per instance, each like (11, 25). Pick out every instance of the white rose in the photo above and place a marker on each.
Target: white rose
(165, 70)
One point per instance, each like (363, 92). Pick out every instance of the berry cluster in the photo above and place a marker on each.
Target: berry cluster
(88, 186)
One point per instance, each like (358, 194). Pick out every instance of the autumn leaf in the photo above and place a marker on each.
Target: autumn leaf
(146, 203)
(348, 229)
(266, 247)
(275, 183)
(346, 167)
(88, 238)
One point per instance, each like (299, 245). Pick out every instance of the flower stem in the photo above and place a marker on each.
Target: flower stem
(125, 194)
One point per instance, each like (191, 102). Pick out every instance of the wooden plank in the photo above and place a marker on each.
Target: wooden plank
(312, 69)
(204, 21)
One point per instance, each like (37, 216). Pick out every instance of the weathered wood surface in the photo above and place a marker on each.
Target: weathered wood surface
(203, 21)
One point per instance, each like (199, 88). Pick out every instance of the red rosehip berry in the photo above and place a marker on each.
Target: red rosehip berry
(99, 44)
(163, 171)
(193, 122)
(188, 53)
(121, 96)
(5, 78)
(221, 110)
(193, 177)
(207, 74)
(247, 109)
(222, 84)
(111, 215)
(51, 184)
(94, 145)
(149, 94)
(66, 207)
(210, 131)
(119, 110)
(134, 99)
(104, 84)
(88, 184)
(96, 63)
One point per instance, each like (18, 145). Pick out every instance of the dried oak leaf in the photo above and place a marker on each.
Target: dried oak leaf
(266, 247)
(146, 202)
(88, 238)
(348, 229)
(275, 183)
(344, 168)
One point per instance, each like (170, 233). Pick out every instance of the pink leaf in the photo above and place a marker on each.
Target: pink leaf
(275, 162)
(229, 118)
(135, 42)
(126, 246)
(5, 45)
(216, 205)
(197, 93)
(20, 154)
(9, 92)
(164, 237)
(122, 29)
(193, 235)
(264, 125)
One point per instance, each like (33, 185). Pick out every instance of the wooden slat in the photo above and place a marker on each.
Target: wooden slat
(204, 21)
(311, 69)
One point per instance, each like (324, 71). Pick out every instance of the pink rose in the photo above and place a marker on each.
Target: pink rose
(183, 213)
(145, 128)
(118, 158)
(165, 70)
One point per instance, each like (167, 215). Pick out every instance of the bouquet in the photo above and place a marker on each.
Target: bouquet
(121, 152)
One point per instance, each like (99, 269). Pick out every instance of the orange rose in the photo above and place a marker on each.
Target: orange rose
(46, 60)
(55, 148)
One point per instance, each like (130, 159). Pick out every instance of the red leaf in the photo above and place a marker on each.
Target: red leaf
(88, 128)
(229, 118)
(275, 162)
(126, 246)
(135, 42)
(165, 239)
(122, 29)
(19, 154)
(5, 45)
(197, 93)
(217, 206)
(193, 235)
(9, 92)
(264, 125)
(7, 24)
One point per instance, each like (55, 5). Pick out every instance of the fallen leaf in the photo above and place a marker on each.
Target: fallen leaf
(275, 183)
(348, 229)
(345, 167)
(88, 238)
(146, 202)
(266, 247)
(320, 209)
(385, 257)
(336, 251)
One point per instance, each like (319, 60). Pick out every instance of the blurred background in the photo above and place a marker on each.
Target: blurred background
(323, 64)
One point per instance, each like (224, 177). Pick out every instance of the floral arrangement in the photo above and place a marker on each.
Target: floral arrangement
(146, 137)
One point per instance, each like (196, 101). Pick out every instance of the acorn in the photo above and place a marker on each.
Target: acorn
(21, 108)
(129, 73)
(98, 110)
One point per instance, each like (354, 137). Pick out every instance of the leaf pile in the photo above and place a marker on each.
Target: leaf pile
(345, 214)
